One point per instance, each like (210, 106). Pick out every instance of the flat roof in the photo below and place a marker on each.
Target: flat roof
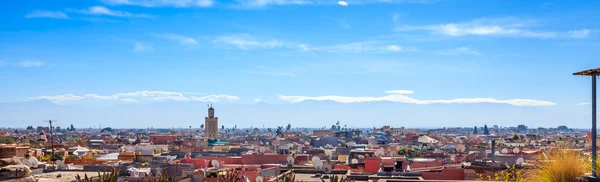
(590, 72)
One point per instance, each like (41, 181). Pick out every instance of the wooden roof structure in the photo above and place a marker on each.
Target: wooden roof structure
(590, 72)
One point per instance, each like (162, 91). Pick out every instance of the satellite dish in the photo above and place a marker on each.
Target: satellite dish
(318, 164)
(460, 148)
(520, 161)
(306, 143)
(27, 163)
(497, 152)
(315, 158)
(354, 161)
(34, 162)
(259, 179)
(215, 163)
(408, 168)
(362, 157)
(516, 150)
(290, 160)
(504, 151)
(250, 152)
(327, 168)
(379, 152)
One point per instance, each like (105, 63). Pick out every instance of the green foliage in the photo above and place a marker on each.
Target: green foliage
(164, 176)
(107, 129)
(56, 157)
(7, 140)
(288, 127)
(104, 177)
(410, 153)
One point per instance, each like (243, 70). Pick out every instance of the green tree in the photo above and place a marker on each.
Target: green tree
(222, 127)
(72, 128)
(202, 126)
(279, 131)
(475, 130)
(29, 127)
(288, 127)
(107, 129)
(7, 140)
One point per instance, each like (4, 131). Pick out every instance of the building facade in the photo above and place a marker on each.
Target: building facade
(211, 124)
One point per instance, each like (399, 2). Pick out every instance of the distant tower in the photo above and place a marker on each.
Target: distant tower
(211, 124)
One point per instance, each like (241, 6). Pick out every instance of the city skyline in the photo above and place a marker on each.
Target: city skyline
(400, 63)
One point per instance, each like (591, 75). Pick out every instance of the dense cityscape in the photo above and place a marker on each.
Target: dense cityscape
(299, 90)
(271, 154)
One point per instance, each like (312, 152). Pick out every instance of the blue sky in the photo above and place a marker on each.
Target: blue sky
(414, 63)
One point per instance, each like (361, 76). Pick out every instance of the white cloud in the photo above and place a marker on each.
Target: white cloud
(29, 63)
(94, 96)
(57, 98)
(400, 92)
(248, 42)
(47, 14)
(583, 103)
(141, 47)
(357, 47)
(400, 96)
(128, 100)
(103, 11)
(509, 27)
(263, 3)
(215, 98)
(458, 51)
(257, 100)
(579, 34)
(145, 95)
(162, 3)
(179, 38)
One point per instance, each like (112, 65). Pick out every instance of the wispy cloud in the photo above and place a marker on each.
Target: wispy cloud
(506, 27)
(358, 47)
(141, 47)
(264, 3)
(248, 42)
(215, 98)
(583, 103)
(58, 98)
(47, 14)
(257, 100)
(400, 97)
(103, 11)
(579, 34)
(145, 95)
(162, 3)
(29, 63)
(179, 38)
(458, 51)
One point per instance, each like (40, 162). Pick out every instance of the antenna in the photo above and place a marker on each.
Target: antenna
(51, 138)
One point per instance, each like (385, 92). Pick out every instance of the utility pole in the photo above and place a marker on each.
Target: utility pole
(51, 139)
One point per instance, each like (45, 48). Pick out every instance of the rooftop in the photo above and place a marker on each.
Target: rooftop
(590, 72)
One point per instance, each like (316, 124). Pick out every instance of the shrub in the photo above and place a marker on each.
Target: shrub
(560, 165)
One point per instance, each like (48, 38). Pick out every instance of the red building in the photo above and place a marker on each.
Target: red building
(161, 139)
